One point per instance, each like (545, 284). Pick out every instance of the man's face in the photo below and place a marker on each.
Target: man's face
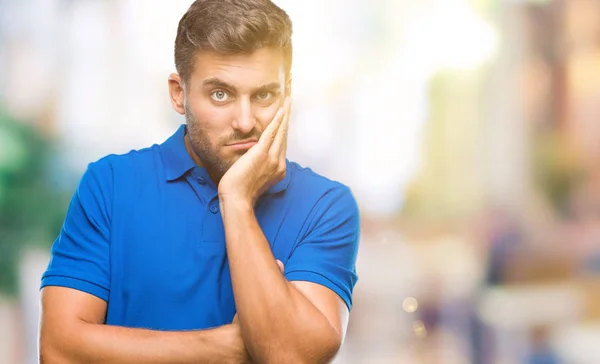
(229, 101)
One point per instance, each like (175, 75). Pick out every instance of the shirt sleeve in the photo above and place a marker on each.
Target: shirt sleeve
(80, 256)
(327, 254)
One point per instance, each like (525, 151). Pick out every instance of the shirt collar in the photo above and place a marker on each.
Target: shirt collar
(177, 161)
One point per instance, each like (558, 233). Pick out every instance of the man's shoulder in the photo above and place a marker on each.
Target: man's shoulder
(305, 176)
(134, 161)
(312, 185)
(327, 203)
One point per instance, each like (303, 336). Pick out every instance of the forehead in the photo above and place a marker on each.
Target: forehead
(244, 71)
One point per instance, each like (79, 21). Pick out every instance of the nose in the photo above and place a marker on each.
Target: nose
(245, 120)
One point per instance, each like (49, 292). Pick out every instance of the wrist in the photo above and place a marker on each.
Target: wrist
(236, 203)
(239, 353)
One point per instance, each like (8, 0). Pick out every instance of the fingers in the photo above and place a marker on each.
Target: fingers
(280, 265)
(270, 132)
(278, 149)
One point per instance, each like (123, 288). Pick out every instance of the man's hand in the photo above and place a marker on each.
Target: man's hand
(281, 268)
(262, 166)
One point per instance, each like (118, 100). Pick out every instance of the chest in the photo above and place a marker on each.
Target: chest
(169, 266)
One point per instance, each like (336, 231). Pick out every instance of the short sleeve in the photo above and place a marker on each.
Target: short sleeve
(80, 256)
(327, 254)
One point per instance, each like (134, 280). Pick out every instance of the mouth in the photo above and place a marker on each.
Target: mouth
(243, 144)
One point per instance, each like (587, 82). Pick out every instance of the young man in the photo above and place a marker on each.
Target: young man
(211, 247)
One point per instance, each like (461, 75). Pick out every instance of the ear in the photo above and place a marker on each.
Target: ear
(177, 93)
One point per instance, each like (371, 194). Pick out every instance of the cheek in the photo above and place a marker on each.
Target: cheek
(266, 114)
(213, 120)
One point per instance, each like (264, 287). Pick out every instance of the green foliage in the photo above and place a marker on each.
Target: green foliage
(557, 169)
(32, 206)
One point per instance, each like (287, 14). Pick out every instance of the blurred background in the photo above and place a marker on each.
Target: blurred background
(469, 131)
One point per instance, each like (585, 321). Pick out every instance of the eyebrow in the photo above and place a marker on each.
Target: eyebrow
(219, 83)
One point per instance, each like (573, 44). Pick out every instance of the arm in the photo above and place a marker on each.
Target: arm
(76, 287)
(72, 331)
(281, 321)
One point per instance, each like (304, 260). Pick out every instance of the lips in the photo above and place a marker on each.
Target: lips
(245, 141)
(243, 144)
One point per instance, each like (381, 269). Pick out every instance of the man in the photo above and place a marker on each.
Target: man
(211, 247)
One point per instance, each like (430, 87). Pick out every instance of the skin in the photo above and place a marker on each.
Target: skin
(278, 321)
(72, 330)
(228, 99)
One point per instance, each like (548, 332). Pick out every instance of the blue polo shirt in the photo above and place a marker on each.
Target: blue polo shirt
(144, 233)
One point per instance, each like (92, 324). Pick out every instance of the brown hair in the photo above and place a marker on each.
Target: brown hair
(231, 27)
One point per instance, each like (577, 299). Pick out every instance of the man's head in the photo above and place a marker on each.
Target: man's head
(233, 59)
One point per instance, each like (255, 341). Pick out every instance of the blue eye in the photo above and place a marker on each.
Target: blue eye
(263, 96)
(219, 95)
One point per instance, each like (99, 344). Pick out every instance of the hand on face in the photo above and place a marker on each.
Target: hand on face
(262, 166)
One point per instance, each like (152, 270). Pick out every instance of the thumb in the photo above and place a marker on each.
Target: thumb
(280, 265)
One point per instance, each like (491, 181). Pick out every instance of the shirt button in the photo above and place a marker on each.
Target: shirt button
(213, 208)
(201, 180)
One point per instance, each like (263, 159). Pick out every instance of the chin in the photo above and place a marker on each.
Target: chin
(226, 161)
(237, 155)
(231, 160)
(234, 159)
